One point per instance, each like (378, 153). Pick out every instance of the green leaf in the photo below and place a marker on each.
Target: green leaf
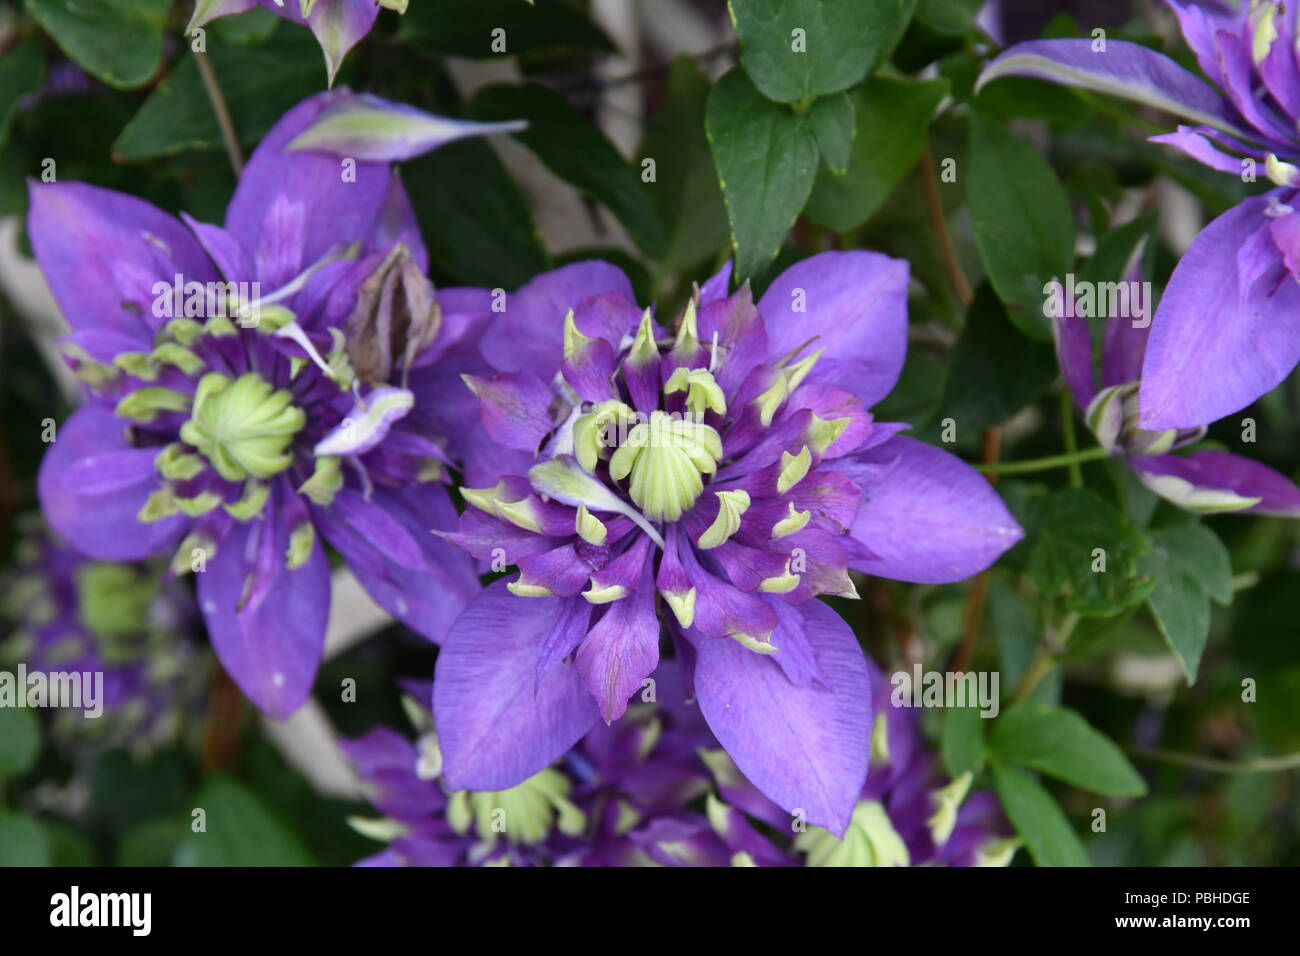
(892, 118)
(1020, 216)
(1197, 551)
(67, 846)
(685, 194)
(20, 741)
(1037, 818)
(962, 744)
(993, 371)
(476, 223)
(1081, 530)
(22, 841)
(1015, 629)
(260, 83)
(1182, 612)
(240, 831)
(1061, 744)
(1190, 565)
(119, 41)
(766, 160)
(575, 150)
(464, 27)
(949, 16)
(831, 121)
(796, 50)
(21, 70)
(151, 844)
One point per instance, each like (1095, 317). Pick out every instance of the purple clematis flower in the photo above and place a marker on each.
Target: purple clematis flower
(618, 798)
(1228, 327)
(710, 482)
(1204, 481)
(338, 25)
(63, 613)
(257, 386)
(909, 813)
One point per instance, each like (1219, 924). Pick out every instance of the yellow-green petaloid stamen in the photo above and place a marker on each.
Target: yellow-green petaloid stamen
(243, 426)
(667, 458)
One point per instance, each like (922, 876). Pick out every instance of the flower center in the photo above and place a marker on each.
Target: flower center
(667, 458)
(525, 813)
(243, 426)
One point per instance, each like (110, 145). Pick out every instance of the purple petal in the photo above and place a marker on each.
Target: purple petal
(529, 333)
(927, 517)
(336, 210)
(805, 747)
(1074, 354)
(338, 25)
(205, 11)
(1124, 69)
(494, 728)
(514, 408)
(1194, 144)
(92, 484)
(370, 128)
(426, 596)
(622, 649)
(1211, 352)
(88, 241)
(1201, 479)
(267, 623)
(854, 304)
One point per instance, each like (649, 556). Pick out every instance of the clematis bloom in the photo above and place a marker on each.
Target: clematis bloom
(257, 386)
(1227, 329)
(709, 482)
(1204, 481)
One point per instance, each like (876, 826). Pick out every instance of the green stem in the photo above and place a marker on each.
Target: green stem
(1048, 656)
(1043, 464)
(1071, 445)
(1256, 765)
(219, 107)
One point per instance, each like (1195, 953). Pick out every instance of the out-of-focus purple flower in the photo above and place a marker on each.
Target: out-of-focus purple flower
(618, 798)
(1205, 481)
(711, 482)
(256, 386)
(338, 25)
(910, 813)
(64, 614)
(1228, 326)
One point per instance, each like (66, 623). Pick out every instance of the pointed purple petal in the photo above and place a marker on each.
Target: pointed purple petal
(267, 623)
(926, 516)
(92, 484)
(805, 747)
(1205, 476)
(622, 649)
(1211, 352)
(1124, 69)
(855, 306)
(494, 728)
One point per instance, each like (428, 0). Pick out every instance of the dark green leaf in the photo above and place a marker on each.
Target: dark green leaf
(260, 83)
(891, 118)
(949, 16)
(831, 121)
(796, 50)
(1080, 531)
(464, 27)
(1061, 744)
(119, 41)
(685, 193)
(1037, 818)
(20, 741)
(475, 221)
(1021, 220)
(240, 831)
(1015, 630)
(575, 150)
(67, 846)
(21, 70)
(1197, 551)
(766, 160)
(962, 744)
(993, 371)
(1190, 565)
(22, 841)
